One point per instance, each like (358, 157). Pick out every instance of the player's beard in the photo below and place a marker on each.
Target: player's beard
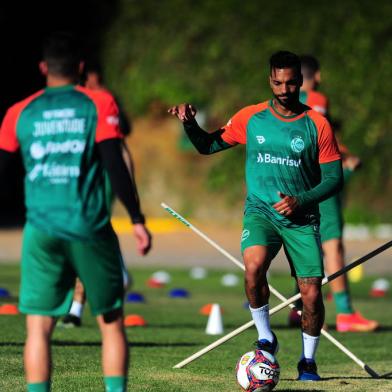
(290, 101)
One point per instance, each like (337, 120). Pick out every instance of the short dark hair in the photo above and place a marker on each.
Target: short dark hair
(285, 59)
(94, 67)
(62, 52)
(309, 66)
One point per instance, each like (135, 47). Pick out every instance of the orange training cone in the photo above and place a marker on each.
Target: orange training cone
(9, 309)
(134, 320)
(207, 308)
(215, 324)
(155, 283)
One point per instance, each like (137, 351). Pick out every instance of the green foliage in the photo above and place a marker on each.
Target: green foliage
(214, 53)
(221, 175)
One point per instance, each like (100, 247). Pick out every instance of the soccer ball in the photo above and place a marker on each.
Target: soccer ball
(258, 371)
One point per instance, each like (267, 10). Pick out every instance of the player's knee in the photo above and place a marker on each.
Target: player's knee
(254, 272)
(255, 263)
(311, 298)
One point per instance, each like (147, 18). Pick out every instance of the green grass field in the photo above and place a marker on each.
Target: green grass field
(176, 330)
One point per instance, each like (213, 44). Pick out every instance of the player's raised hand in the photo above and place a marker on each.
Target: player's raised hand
(352, 162)
(287, 205)
(143, 239)
(184, 112)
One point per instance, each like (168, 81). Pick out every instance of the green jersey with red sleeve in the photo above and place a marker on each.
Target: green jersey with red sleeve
(315, 100)
(57, 130)
(283, 154)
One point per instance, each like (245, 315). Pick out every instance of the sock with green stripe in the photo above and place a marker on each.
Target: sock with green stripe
(343, 302)
(115, 384)
(39, 387)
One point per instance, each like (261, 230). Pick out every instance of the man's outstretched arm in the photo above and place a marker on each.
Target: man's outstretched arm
(124, 187)
(205, 143)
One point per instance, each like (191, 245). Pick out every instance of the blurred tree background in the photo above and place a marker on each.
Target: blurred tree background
(215, 55)
(23, 26)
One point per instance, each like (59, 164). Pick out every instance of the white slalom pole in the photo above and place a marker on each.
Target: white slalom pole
(202, 235)
(273, 291)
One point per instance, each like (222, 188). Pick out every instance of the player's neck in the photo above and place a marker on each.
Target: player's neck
(57, 81)
(290, 110)
(308, 86)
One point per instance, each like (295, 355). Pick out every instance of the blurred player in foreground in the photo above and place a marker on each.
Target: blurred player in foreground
(94, 81)
(331, 223)
(292, 164)
(68, 135)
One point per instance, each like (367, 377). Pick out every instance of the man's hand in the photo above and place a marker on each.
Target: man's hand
(351, 162)
(287, 205)
(143, 239)
(184, 112)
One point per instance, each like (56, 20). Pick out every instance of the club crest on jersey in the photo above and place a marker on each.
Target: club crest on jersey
(260, 139)
(297, 144)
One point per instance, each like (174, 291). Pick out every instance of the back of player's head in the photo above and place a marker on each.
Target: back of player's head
(94, 67)
(285, 59)
(62, 53)
(309, 66)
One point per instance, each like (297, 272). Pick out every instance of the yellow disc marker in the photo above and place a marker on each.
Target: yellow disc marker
(356, 274)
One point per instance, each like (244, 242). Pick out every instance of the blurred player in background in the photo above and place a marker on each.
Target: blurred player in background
(331, 224)
(292, 163)
(94, 81)
(69, 136)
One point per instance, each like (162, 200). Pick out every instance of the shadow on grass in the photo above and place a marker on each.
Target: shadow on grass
(200, 326)
(343, 382)
(347, 378)
(331, 328)
(387, 375)
(301, 390)
(67, 343)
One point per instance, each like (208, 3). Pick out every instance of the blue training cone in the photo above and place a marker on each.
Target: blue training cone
(135, 297)
(4, 293)
(179, 293)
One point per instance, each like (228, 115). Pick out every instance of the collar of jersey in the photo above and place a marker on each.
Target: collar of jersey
(57, 89)
(293, 117)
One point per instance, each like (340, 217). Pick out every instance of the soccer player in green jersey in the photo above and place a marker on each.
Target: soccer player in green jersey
(94, 81)
(331, 224)
(67, 136)
(292, 163)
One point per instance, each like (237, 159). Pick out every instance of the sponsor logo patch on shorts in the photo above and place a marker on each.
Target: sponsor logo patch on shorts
(245, 235)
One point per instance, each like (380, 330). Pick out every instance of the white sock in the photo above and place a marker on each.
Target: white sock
(309, 346)
(76, 309)
(261, 318)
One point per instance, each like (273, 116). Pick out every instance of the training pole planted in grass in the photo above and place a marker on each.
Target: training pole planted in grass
(278, 295)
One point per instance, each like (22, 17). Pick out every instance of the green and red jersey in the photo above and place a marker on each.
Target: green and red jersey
(283, 154)
(315, 100)
(57, 130)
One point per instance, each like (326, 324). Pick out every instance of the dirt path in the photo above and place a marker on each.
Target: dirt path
(184, 248)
